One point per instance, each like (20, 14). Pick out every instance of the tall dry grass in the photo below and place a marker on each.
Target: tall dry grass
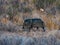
(4, 20)
(18, 20)
(51, 21)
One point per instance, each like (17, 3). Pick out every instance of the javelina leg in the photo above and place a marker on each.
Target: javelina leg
(23, 27)
(26, 29)
(37, 27)
(43, 29)
(30, 28)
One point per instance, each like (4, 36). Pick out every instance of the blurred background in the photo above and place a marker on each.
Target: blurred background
(14, 12)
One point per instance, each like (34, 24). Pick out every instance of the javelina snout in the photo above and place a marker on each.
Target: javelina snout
(36, 23)
(27, 25)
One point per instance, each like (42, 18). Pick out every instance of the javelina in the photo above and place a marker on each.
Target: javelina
(27, 24)
(30, 23)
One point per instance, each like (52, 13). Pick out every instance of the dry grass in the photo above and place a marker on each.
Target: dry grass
(17, 20)
(4, 20)
(51, 21)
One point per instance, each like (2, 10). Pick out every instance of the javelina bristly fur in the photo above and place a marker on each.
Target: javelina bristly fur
(33, 23)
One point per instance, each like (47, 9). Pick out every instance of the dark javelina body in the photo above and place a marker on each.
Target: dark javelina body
(36, 23)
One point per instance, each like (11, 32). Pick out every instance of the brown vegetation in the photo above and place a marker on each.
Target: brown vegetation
(18, 20)
(4, 20)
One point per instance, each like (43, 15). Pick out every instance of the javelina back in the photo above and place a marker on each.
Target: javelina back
(36, 23)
